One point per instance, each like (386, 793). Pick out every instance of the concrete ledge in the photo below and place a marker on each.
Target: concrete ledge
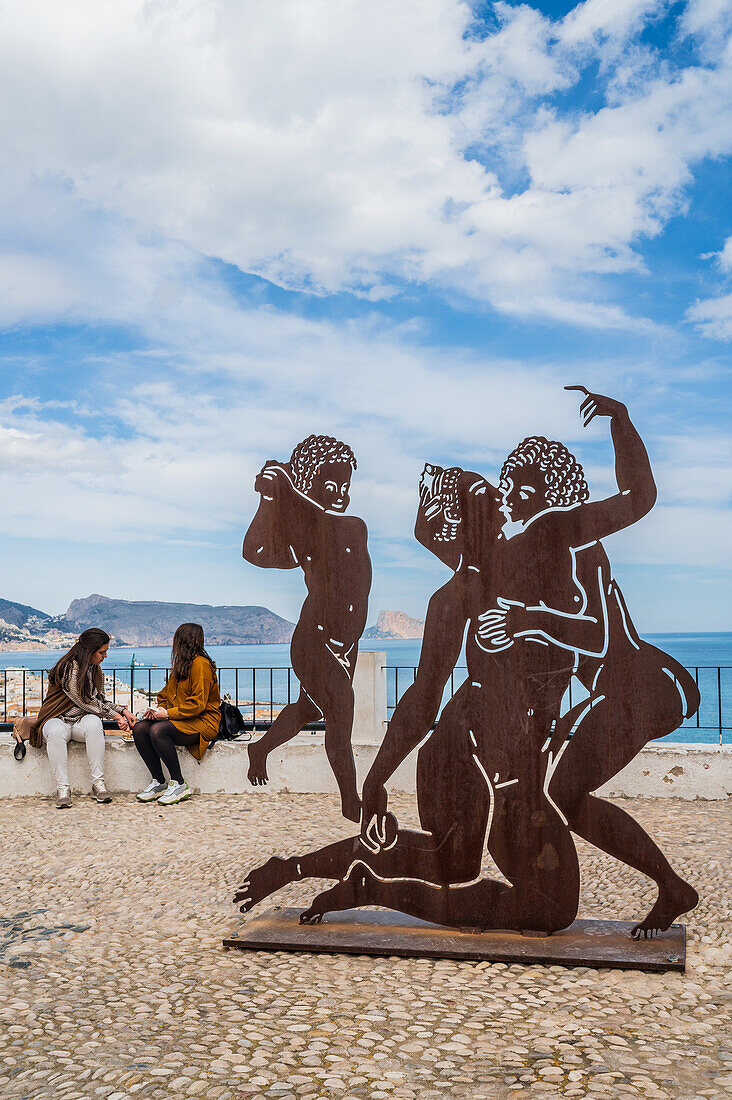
(683, 771)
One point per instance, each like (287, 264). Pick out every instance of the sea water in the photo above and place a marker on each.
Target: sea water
(263, 673)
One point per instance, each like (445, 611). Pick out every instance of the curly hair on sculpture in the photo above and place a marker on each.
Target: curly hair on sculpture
(314, 452)
(565, 478)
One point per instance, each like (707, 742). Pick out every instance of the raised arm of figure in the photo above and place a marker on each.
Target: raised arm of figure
(594, 520)
(283, 517)
(417, 709)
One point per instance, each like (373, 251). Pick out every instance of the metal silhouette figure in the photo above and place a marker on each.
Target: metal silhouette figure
(540, 604)
(637, 693)
(300, 523)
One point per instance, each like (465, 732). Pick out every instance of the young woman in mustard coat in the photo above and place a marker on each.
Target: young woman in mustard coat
(187, 714)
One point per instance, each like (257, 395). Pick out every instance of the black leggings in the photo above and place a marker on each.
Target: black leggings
(156, 741)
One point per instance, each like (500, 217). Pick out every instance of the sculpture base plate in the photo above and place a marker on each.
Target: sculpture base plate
(595, 943)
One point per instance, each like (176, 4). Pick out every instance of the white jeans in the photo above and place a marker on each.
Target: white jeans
(57, 734)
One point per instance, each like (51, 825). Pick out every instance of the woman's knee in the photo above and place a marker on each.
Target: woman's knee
(91, 724)
(159, 732)
(54, 730)
(141, 731)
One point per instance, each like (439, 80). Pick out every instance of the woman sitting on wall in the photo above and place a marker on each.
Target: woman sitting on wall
(73, 711)
(188, 713)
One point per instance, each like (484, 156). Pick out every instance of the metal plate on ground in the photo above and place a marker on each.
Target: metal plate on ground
(595, 943)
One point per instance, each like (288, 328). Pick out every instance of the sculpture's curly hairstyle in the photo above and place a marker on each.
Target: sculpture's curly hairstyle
(314, 452)
(565, 478)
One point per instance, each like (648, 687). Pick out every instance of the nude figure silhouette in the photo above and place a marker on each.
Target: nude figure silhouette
(300, 523)
(637, 694)
(487, 765)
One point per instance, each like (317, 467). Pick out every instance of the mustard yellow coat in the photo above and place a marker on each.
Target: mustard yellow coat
(193, 704)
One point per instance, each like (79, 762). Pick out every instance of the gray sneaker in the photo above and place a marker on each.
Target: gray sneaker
(176, 792)
(63, 798)
(100, 792)
(152, 792)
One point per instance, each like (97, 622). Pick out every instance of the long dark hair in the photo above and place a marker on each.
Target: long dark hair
(82, 652)
(188, 644)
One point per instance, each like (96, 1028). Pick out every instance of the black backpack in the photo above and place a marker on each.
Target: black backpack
(231, 724)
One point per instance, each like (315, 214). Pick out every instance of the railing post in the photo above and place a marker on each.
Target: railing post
(369, 689)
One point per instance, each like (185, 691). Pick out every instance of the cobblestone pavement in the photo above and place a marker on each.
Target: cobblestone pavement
(114, 983)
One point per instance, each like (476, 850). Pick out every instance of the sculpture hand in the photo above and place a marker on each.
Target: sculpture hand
(373, 816)
(595, 404)
(498, 625)
(268, 479)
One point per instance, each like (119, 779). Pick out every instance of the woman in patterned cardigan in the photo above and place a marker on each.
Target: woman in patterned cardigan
(73, 710)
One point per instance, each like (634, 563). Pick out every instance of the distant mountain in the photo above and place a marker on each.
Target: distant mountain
(18, 614)
(23, 627)
(395, 624)
(151, 622)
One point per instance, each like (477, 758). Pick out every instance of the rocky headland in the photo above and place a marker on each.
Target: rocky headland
(395, 624)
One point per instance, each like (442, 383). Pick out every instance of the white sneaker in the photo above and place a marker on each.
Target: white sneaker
(152, 792)
(176, 792)
(100, 792)
(63, 798)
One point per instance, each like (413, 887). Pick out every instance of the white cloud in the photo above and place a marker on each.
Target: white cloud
(709, 21)
(681, 535)
(724, 258)
(713, 316)
(170, 458)
(332, 146)
(240, 386)
(607, 19)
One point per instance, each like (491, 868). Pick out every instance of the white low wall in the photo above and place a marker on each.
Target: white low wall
(660, 771)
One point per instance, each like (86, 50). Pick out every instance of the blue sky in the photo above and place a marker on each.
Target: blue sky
(407, 225)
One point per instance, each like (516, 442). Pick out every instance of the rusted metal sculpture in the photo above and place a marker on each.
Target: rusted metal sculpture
(300, 523)
(533, 587)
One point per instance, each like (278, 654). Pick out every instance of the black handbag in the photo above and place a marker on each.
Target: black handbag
(231, 724)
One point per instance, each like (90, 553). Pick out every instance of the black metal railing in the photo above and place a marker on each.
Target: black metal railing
(712, 717)
(261, 693)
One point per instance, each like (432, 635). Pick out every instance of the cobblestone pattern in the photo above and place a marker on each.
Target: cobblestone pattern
(146, 1004)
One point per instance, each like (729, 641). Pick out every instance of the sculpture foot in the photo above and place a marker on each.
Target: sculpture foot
(674, 898)
(263, 881)
(257, 774)
(351, 893)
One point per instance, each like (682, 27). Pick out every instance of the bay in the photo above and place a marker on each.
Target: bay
(264, 674)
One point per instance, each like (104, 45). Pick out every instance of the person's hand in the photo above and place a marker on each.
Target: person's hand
(373, 816)
(131, 719)
(270, 479)
(594, 404)
(159, 713)
(499, 625)
(122, 723)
